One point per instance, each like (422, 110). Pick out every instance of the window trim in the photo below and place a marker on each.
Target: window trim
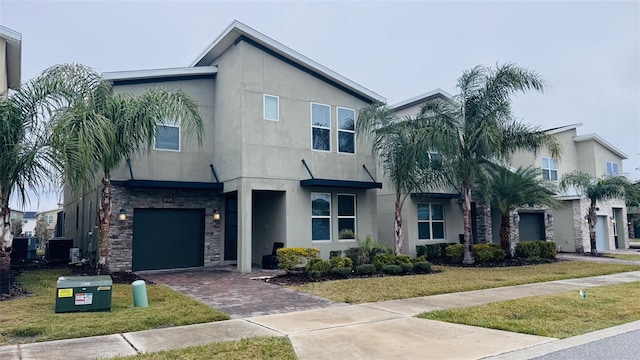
(321, 217)
(49, 219)
(353, 132)
(431, 221)
(354, 217)
(606, 167)
(264, 107)
(319, 127)
(549, 169)
(174, 124)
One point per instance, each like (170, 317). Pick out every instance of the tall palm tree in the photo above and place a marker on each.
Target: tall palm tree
(509, 190)
(27, 160)
(477, 126)
(395, 144)
(595, 189)
(100, 128)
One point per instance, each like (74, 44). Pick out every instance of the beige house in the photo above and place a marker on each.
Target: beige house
(280, 163)
(10, 55)
(436, 216)
(50, 218)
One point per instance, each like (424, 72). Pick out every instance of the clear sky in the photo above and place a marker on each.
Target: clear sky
(588, 52)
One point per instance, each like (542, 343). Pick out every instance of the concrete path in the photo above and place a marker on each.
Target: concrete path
(380, 330)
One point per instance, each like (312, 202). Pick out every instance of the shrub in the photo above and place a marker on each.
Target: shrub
(335, 253)
(343, 272)
(431, 251)
(340, 262)
(365, 269)
(422, 267)
(486, 253)
(419, 259)
(392, 269)
(402, 259)
(290, 259)
(381, 260)
(366, 250)
(455, 253)
(318, 265)
(548, 249)
(527, 249)
(406, 268)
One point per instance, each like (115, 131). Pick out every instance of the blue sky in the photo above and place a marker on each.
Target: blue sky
(587, 52)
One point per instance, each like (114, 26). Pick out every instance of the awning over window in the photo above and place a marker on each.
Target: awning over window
(433, 195)
(340, 184)
(168, 184)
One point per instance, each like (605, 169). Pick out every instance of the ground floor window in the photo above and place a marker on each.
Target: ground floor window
(320, 216)
(346, 216)
(430, 221)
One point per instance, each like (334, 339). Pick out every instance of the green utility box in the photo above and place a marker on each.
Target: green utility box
(83, 293)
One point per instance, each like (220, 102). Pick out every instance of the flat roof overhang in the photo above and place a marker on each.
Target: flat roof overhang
(169, 184)
(340, 184)
(434, 195)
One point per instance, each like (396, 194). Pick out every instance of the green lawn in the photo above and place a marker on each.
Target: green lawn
(455, 279)
(561, 315)
(32, 318)
(631, 257)
(252, 348)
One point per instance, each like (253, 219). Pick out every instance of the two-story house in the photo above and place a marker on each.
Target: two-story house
(49, 219)
(10, 55)
(280, 162)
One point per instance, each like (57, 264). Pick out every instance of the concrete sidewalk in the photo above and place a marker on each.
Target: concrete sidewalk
(381, 330)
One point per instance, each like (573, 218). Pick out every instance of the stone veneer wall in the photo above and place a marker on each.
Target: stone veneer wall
(121, 232)
(483, 223)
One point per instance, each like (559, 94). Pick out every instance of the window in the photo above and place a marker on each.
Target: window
(271, 107)
(346, 216)
(612, 168)
(430, 221)
(549, 169)
(168, 136)
(49, 218)
(321, 127)
(346, 131)
(320, 216)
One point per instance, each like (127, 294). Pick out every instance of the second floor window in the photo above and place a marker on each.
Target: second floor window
(612, 168)
(320, 127)
(346, 130)
(168, 136)
(549, 169)
(49, 219)
(271, 107)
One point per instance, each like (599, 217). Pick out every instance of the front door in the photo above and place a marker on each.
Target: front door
(231, 227)
(602, 241)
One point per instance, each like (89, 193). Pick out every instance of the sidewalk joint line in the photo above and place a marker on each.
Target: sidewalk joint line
(264, 326)
(130, 344)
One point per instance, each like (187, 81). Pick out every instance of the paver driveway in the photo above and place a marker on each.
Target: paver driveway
(237, 294)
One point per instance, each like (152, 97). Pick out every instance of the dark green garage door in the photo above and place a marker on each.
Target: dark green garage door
(532, 227)
(167, 238)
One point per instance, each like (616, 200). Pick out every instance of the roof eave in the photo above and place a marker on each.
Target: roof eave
(603, 142)
(14, 56)
(422, 98)
(159, 73)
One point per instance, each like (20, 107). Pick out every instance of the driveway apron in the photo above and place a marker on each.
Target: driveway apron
(237, 294)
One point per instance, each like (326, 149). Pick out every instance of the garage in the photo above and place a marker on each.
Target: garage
(167, 238)
(532, 226)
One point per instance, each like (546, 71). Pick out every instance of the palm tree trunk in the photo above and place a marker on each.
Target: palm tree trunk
(592, 219)
(6, 239)
(466, 213)
(397, 226)
(105, 222)
(505, 233)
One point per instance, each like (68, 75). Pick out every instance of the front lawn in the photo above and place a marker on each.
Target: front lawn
(455, 279)
(630, 257)
(32, 318)
(252, 348)
(560, 315)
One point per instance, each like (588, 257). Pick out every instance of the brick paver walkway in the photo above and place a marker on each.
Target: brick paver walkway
(237, 294)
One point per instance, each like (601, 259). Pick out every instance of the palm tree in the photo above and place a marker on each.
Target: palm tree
(395, 144)
(100, 128)
(477, 127)
(27, 160)
(595, 189)
(510, 190)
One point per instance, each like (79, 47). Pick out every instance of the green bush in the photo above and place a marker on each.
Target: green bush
(343, 272)
(548, 249)
(402, 259)
(392, 269)
(406, 268)
(291, 259)
(527, 249)
(318, 265)
(381, 260)
(419, 259)
(431, 251)
(335, 253)
(340, 262)
(487, 253)
(365, 269)
(422, 267)
(366, 250)
(455, 253)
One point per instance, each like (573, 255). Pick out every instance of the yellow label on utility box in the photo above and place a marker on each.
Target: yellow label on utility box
(101, 288)
(65, 293)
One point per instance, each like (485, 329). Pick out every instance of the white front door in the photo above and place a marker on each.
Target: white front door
(602, 240)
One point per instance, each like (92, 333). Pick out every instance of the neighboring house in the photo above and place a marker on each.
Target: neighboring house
(10, 54)
(50, 218)
(436, 216)
(29, 221)
(280, 162)
(16, 218)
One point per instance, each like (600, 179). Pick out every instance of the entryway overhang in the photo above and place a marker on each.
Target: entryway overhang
(168, 184)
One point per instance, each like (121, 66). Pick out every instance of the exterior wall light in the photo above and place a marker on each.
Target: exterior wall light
(549, 217)
(516, 218)
(122, 215)
(216, 215)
